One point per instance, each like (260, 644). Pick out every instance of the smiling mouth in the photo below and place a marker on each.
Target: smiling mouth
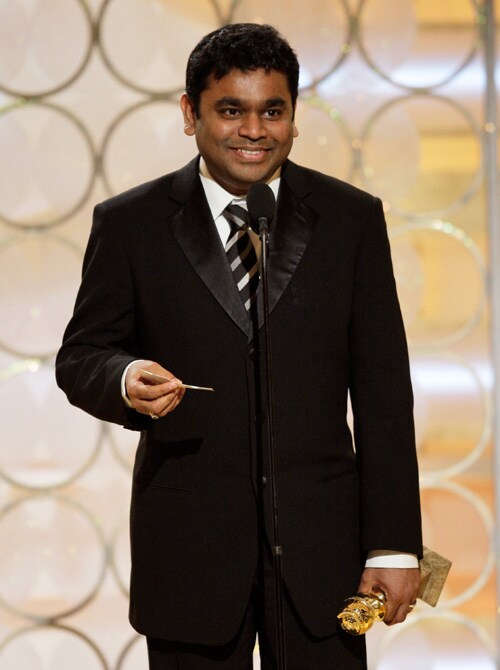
(251, 153)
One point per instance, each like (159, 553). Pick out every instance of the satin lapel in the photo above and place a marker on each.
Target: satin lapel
(196, 234)
(288, 240)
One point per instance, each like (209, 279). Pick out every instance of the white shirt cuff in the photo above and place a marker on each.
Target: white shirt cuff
(382, 558)
(124, 388)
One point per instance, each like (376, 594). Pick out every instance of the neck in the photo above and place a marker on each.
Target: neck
(206, 173)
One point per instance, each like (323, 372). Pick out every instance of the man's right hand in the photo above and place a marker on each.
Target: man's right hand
(151, 397)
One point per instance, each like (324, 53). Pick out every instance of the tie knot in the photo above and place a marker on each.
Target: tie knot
(237, 216)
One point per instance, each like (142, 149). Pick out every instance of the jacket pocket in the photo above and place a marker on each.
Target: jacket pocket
(337, 475)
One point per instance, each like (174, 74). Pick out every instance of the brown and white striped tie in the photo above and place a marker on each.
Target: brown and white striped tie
(241, 254)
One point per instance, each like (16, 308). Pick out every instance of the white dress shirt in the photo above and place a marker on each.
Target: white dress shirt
(218, 199)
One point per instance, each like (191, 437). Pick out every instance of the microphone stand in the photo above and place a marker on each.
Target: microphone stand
(277, 549)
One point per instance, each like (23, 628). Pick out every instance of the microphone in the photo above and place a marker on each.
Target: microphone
(261, 206)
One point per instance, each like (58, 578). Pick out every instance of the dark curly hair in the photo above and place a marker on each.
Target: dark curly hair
(240, 46)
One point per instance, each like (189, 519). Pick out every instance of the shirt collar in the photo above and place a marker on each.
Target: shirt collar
(218, 198)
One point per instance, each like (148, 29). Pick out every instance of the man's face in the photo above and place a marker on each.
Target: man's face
(245, 128)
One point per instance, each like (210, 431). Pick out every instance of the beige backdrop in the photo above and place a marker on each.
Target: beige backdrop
(392, 99)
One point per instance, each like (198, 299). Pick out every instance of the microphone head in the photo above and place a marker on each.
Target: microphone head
(261, 205)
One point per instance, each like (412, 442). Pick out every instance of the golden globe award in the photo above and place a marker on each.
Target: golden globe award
(364, 609)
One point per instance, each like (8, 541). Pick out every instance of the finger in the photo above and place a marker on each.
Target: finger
(153, 405)
(152, 391)
(163, 405)
(139, 384)
(399, 615)
(172, 401)
(401, 612)
(143, 390)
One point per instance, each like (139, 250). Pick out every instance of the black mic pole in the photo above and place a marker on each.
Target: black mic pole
(261, 205)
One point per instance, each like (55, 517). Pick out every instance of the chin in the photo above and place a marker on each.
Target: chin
(252, 176)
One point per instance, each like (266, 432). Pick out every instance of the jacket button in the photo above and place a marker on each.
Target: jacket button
(264, 481)
(251, 354)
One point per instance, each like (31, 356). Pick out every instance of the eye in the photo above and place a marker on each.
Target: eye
(273, 113)
(230, 112)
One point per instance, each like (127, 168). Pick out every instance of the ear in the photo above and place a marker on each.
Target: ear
(294, 127)
(189, 115)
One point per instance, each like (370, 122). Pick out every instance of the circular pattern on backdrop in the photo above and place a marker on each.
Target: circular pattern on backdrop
(120, 554)
(54, 443)
(443, 640)
(39, 277)
(50, 647)
(51, 166)
(452, 294)
(396, 40)
(56, 560)
(33, 35)
(321, 32)
(145, 45)
(144, 142)
(422, 155)
(124, 444)
(453, 414)
(323, 143)
(409, 272)
(47, 177)
(458, 524)
(133, 654)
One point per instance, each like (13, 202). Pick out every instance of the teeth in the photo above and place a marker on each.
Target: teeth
(250, 152)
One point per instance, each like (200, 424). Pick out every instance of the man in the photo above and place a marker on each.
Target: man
(158, 295)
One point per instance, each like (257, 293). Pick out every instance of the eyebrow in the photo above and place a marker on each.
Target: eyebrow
(228, 101)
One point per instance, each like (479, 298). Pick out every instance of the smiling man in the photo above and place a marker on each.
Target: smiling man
(243, 126)
(170, 289)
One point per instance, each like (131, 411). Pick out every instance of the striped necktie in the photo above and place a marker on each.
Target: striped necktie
(241, 254)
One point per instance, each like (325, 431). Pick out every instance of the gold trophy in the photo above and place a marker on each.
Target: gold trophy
(365, 609)
(362, 611)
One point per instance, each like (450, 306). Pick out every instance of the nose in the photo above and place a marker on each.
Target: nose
(252, 126)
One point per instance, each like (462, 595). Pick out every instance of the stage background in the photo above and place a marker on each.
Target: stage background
(394, 98)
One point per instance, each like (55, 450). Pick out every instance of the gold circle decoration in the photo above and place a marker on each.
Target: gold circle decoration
(146, 45)
(33, 35)
(133, 654)
(57, 557)
(144, 142)
(120, 554)
(54, 443)
(123, 444)
(452, 295)
(53, 646)
(454, 414)
(422, 155)
(324, 141)
(39, 277)
(399, 40)
(51, 167)
(320, 32)
(458, 524)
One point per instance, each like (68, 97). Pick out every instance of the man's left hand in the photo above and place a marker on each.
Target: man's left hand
(400, 586)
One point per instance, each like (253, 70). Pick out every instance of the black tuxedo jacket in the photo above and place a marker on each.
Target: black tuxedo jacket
(156, 285)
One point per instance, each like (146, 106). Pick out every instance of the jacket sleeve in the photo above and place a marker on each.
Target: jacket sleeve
(100, 339)
(382, 399)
